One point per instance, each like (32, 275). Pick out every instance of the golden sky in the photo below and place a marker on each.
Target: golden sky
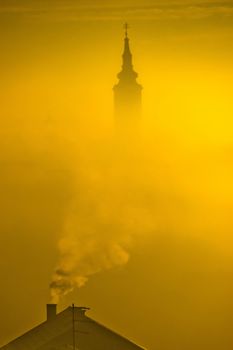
(154, 229)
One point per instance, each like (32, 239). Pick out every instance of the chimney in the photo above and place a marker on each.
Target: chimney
(51, 311)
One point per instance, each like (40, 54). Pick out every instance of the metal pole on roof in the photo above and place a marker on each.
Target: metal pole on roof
(73, 323)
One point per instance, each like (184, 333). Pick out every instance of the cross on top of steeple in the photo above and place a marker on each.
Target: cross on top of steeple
(126, 26)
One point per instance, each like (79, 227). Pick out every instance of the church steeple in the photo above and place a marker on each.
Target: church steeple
(127, 93)
(127, 74)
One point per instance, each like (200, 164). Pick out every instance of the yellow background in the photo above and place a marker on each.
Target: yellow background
(59, 61)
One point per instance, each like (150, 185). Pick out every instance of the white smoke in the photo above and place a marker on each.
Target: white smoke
(97, 231)
(84, 251)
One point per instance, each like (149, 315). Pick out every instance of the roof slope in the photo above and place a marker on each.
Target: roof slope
(50, 331)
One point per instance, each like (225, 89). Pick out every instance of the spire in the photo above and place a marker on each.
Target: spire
(127, 92)
(127, 73)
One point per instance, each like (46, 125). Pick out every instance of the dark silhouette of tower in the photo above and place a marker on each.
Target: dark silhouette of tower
(127, 93)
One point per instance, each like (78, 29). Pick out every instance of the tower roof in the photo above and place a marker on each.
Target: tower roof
(127, 74)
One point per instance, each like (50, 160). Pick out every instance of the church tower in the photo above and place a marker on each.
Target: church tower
(127, 93)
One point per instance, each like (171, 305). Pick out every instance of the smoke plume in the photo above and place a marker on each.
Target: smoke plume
(98, 227)
(84, 251)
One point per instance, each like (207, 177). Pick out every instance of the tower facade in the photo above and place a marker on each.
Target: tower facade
(127, 92)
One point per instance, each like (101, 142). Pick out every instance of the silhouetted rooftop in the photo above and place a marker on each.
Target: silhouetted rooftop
(60, 328)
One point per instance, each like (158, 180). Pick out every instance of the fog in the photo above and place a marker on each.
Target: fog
(140, 229)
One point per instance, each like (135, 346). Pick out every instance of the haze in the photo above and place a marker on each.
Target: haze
(166, 204)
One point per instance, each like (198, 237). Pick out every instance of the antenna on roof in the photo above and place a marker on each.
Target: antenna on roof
(73, 328)
(77, 311)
